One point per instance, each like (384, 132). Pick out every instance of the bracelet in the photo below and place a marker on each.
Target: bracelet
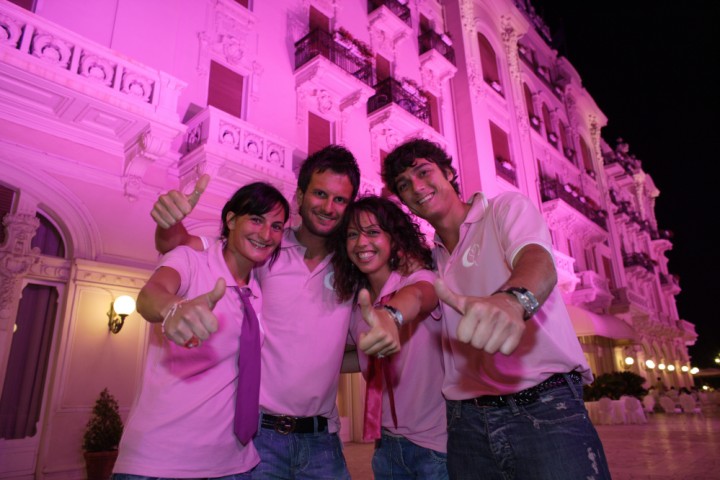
(175, 307)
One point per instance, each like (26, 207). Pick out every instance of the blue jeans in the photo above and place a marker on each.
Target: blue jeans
(299, 456)
(397, 458)
(551, 438)
(125, 476)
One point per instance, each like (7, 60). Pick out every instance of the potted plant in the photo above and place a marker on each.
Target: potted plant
(102, 437)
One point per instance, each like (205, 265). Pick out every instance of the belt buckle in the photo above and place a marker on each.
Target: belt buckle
(285, 424)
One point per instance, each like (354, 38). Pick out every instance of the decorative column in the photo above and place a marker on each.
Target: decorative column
(16, 259)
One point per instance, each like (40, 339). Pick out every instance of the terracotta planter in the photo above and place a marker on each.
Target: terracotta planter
(100, 465)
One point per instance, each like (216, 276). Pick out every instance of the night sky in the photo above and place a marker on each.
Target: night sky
(650, 67)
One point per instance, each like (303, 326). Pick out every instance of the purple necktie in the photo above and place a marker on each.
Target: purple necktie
(248, 387)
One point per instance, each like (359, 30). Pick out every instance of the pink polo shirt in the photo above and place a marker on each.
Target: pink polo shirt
(181, 424)
(305, 332)
(417, 372)
(491, 235)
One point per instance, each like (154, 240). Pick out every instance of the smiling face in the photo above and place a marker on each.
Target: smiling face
(323, 203)
(426, 190)
(253, 238)
(369, 246)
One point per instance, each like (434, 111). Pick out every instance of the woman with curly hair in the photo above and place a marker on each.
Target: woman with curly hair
(382, 263)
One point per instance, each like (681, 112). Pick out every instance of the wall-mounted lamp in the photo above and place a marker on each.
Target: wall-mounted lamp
(649, 364)
(629, 361)
(694, 371)
(671, 368)
(661, 366)
(123, 306)
(685, 368)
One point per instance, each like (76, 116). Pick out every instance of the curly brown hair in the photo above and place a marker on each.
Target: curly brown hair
(406, 239)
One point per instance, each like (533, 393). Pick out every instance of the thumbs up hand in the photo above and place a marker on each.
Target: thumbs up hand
(172, 207)
(383, 338)
(492, 324)
(191, 322)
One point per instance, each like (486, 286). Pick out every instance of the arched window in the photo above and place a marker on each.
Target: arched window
(532, 116)
(48, 239)
(586, 155)
(488, 63)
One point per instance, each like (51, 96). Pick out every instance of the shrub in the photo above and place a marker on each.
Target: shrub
(105, 427)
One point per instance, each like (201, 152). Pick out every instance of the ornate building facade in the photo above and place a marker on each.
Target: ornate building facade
(105, 105)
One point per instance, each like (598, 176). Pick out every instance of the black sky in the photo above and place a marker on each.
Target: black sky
(650, 66)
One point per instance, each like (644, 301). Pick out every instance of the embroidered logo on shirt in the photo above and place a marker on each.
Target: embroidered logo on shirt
(470, 257)
(329, 281)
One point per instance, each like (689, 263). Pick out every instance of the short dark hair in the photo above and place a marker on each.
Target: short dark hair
(406, 238)
(255, 198)
(405, 155)
(334, 157)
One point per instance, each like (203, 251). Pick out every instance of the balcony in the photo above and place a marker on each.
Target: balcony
(553, 190)
(52, 79)
(670, 283)
(319, 43)
(639, 265)
(553, 139)
(567, 280)
(392, 92)
(687, 331)
(626, 300)
(593, 291)
(398, 9)
(235, 152)
(431, 40)
(535, 122)
(506, 170)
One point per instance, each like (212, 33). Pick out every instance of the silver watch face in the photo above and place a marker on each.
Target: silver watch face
(526, 299)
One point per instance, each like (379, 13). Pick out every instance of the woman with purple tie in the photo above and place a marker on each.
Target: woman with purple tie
(197, 408)
(404, 408)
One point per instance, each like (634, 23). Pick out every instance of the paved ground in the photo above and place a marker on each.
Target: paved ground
(674, 446)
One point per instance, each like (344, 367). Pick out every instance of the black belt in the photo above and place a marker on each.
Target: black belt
(527, 396)
(285, 424)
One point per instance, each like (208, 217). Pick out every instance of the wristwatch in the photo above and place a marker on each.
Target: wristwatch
(395, 313)
(526, 299)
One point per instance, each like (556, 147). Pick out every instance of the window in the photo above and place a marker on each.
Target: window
(551, 135)
(225, 90)
(586, 155)
(383, 68)
(26, 4)
(319, 133)
(48, 239)
(501, 150)
(318, 20)
(27, 367)
(534, 119)
(434, 108)
(488, 61)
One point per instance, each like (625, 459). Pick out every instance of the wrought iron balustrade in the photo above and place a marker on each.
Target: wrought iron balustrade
(431, 40)
(391, 91)
(323, 43)
(400, 10)
(551, 189)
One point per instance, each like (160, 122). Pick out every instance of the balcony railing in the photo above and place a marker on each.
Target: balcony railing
(322, 43)
(56, 54)
(400, 10)
(391, 91)
(551, 189)
(431, 40)
(639, 259)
